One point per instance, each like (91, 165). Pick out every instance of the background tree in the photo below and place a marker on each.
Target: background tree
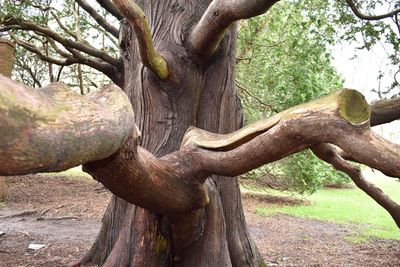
(284, 59)
(179, 70)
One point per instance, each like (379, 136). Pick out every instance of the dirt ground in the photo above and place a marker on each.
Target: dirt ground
(64, 214)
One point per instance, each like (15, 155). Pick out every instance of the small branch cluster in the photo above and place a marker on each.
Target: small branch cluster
(68, 46)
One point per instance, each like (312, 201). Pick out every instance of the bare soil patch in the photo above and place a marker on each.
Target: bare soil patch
(65, 215)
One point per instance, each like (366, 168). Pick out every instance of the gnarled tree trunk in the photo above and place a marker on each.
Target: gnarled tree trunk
(179, 66)
(203, 94)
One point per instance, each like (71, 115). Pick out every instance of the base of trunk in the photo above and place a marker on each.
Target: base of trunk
(131, 236)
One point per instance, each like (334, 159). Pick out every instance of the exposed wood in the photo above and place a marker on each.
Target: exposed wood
(349, 103)
(219, 16)
(53, 128)
(341, 119)
(135, 175)
(138, 21)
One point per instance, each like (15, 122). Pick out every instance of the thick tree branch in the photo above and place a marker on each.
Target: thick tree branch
(175, 183)
(328, 153)
(218, 17)
(341, 118)
(98, 18)
(111, 8)
(385, 111)
(138, 21)
(363, 16)
(53, 128)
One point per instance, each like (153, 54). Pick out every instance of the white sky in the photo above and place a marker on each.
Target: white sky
(361, 74)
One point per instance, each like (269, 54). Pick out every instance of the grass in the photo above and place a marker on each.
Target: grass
(349, 206)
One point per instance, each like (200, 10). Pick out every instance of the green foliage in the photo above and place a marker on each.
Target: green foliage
(308, 173)
(284, 60)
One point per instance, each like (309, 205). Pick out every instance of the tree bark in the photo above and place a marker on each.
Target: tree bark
(54, 128)
(191, 219)
(199, 94)
(7, 50)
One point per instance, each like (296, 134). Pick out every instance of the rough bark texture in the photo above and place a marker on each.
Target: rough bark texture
(6, 57)
(54, 128)
(200, 94)
(7, 50)
(385, 111)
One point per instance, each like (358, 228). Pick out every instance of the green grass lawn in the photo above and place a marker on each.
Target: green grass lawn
(349, 206)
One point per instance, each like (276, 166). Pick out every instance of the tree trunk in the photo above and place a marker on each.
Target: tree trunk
(6, 63)
(200, 94)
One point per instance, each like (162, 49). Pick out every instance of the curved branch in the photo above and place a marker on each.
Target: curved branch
(360, 15)
(98, 18)
(53, 128)
(385, 111)
(218, 17)
(329, 154)
(138, 21)
(341, 118)
(175, 183)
